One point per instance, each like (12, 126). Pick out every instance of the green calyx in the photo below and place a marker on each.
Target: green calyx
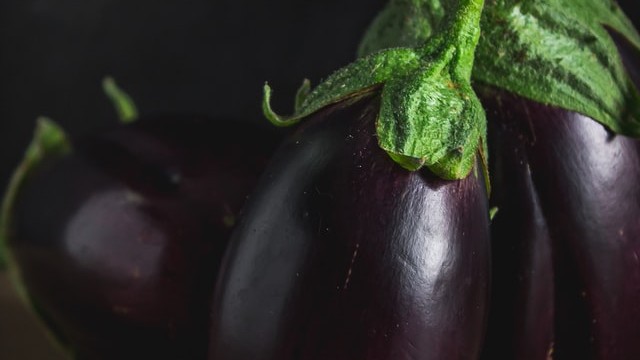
(429, 114)
(49, 141)
(556, 52)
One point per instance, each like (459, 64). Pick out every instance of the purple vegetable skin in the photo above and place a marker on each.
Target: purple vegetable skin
(342, 254)
(566, 238)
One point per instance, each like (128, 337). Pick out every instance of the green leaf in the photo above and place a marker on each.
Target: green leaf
(352, 82)
(594, 13)
(557, 52)
(49, 141)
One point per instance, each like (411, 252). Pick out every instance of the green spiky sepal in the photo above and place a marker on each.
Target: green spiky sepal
(427, 117)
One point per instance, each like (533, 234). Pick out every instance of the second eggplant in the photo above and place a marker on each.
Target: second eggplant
(343, 254)
(565, 239)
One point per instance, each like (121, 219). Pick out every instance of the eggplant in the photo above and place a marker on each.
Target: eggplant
(566, 237)
(117, 244)
(343, 254)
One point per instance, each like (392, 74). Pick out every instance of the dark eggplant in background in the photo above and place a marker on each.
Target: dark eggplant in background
(197, 56)
(343, 254)
(566, 252)
(117, 244)
(566, 238)
(559, 84)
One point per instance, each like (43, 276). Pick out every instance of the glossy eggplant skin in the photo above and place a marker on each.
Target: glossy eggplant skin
(118, 243)
(342, 254)
(566, 238)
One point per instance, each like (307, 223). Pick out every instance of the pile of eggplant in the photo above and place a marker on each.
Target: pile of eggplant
(468, 188)
(115, 238)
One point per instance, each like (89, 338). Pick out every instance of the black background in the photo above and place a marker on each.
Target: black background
(194, 56)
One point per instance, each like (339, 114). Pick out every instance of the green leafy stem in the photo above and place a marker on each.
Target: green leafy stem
(429, 114)
(51, 142)
(556, 52)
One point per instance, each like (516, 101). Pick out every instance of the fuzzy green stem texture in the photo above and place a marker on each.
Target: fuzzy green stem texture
(556, 52)
(429, 114)
(463, 33)
(49, 141)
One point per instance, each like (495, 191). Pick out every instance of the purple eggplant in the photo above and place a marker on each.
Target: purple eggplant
(566, 238)
(343, 254)
(118, 243)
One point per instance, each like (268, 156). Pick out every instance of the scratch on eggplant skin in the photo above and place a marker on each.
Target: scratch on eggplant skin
(353, 260)
(411, 352)
(550, 351)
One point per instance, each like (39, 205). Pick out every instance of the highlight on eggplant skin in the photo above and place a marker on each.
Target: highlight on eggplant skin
(566, 240)
(342, 254)
(118, 243)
